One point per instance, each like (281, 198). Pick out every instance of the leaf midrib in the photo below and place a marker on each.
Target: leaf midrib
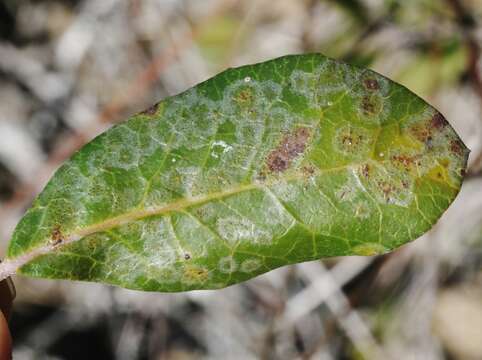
(184, 203)
(138, 214)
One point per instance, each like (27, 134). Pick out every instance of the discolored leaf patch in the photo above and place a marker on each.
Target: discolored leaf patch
(438, 121)
(291, 146)
(56, 237)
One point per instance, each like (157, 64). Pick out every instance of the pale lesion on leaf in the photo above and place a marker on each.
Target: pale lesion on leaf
(195, 274)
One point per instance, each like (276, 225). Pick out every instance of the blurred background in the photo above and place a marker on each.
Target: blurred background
(69, 69)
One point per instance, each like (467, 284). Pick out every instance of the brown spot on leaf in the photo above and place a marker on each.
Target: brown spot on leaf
(368, 106)
(244, 96)
(421, 133)
(404, 160)
(428, 130)
(438, 121)
(387, 189)
(371, 84)
(56, 237)
(308, 170)
(347, 140)
(366, 170)
(187, 256)
(151, 110)
(456, 147)
(291, 146)
(352, 140)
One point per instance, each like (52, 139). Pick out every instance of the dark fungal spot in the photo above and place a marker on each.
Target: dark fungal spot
(368, 106)
(308, 170)
(278, 163)
(387, 189)
(428, 130)
(371, 84)
(404, 160)
(291, 146)
(387, 184)
(56, 236)
(151, 110)
(352, 141)
(421, 133)
(347, 140)
(456, 147)
(187, 256)
(366, 171)
(438, 121)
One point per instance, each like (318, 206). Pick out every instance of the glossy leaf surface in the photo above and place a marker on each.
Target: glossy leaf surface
(290, 160)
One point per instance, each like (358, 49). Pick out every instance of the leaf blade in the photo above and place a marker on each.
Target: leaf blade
(265, 165)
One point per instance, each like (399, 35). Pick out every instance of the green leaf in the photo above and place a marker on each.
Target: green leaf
(290, 160)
